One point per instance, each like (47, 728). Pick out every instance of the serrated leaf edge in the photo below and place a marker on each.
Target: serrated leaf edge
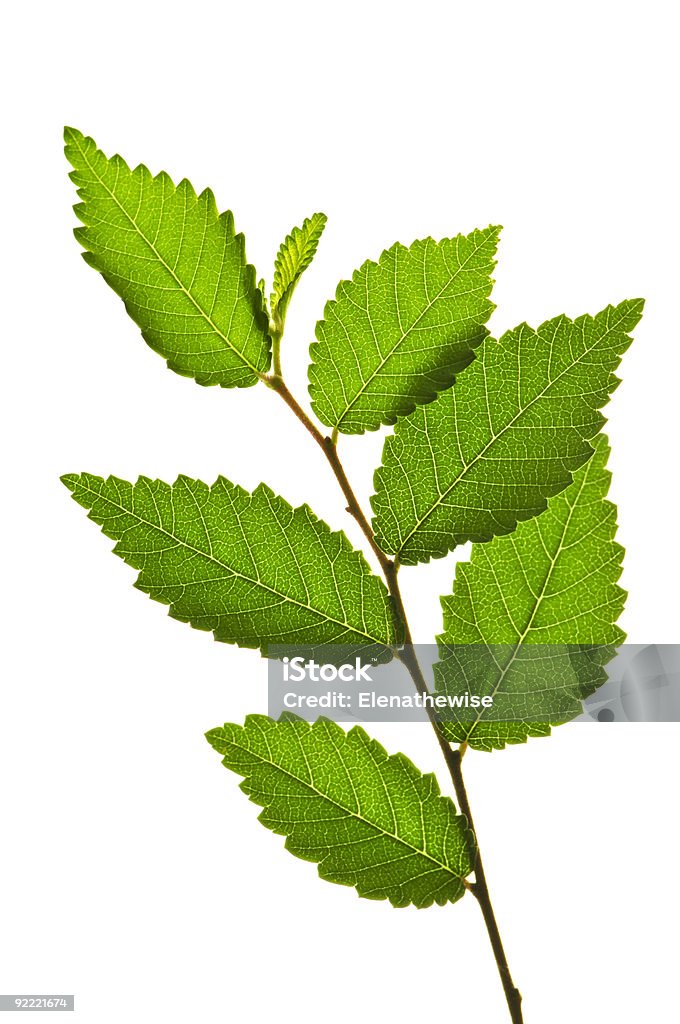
(543, 729)
(305, 240)
(317, 347)
(73, 137)
(216, 738)
(73, 480)
(446, 547)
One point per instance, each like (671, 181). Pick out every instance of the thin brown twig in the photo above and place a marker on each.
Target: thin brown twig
(408, 657)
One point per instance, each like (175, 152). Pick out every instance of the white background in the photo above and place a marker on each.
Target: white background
(133, 872)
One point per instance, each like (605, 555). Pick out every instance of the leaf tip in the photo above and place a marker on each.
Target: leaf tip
(215, 738)
(630, 312)
(637, 306)
(70, 480)
(75, 142)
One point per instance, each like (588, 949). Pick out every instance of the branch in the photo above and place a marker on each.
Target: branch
(329, 449)
(409, 659)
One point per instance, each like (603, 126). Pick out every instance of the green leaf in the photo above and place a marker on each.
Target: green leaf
(177, 263)
(489, 452)
(295, 254)
(400, 330)
(539, 609)
(368, 819)
(262, 287)
(249, 567)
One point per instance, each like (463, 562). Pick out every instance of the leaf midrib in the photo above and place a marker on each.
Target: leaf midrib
(168, 268)
(234, 572)
(442, 496)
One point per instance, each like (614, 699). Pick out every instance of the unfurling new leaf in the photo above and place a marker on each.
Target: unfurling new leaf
(400, 330)
(248, 567)
(532, 619)
(369, 819)
(178, 265)
(489, 452)
(294, 256)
